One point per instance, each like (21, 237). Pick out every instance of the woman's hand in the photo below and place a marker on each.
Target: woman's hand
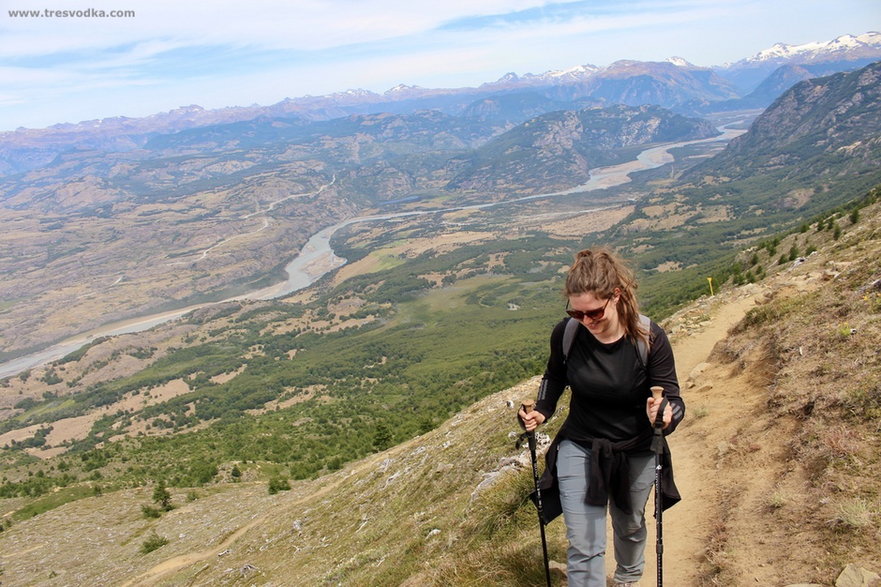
(651, 410)
(531, 420)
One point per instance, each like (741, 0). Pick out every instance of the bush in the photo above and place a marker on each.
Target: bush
(153, 542)
(162, 497)
(277, 484)
(150, 511)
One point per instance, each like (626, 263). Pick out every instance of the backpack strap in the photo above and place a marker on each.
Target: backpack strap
(569, 336)
(642, 348)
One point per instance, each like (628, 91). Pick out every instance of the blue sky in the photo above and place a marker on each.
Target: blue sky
(217, 53)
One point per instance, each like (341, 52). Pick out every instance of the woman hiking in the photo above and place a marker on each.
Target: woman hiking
(602, 453)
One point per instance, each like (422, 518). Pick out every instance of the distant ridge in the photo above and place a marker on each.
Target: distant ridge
(674, 83)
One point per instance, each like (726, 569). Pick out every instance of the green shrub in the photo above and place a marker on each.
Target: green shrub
(150, 511)
(153, 542)
(277, 484)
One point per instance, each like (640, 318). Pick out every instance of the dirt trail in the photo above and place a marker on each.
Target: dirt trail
(687, 525)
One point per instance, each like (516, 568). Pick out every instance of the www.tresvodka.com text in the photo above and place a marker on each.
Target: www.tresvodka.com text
(67, 13)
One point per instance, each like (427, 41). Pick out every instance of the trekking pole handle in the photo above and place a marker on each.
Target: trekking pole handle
(528, 405)
(658, 395)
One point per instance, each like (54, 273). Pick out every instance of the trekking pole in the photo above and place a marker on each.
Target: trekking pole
(528, 405)
(658, 446)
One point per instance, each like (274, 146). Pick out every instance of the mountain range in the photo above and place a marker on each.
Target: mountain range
(201, 212)
(674, 84)
(184, 195)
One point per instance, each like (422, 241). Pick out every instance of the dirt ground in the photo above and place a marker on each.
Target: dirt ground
(686, 526)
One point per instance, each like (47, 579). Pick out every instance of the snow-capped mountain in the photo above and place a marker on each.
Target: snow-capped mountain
(818, 58)
(851, 46)
(679, 62)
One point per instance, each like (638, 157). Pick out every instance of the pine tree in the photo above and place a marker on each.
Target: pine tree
(162, 497)
(382, 437)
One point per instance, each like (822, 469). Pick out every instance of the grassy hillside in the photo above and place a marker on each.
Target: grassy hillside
(776, 460)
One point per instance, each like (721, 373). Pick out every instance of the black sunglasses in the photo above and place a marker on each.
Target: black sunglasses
(592, 314)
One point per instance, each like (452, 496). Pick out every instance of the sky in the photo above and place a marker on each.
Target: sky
(149, 56)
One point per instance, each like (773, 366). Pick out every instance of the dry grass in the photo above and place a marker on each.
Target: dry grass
(813, 352)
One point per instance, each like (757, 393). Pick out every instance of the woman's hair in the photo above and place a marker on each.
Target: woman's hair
(600, 272)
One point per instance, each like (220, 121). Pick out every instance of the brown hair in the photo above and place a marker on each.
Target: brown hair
(600, 272)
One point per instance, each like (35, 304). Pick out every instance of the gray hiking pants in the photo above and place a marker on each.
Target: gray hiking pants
(586, 524)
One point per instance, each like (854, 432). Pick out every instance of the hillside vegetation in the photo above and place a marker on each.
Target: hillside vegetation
(777, 460)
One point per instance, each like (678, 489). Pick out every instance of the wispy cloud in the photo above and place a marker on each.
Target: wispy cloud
(172, 52)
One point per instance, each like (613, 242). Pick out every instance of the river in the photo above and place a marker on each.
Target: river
(317, 258)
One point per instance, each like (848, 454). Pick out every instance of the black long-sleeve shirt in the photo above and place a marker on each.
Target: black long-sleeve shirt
(609, 385)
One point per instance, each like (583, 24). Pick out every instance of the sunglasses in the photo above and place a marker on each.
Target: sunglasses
(591, 314)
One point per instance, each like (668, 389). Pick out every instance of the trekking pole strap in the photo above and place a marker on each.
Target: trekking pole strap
(659, 417)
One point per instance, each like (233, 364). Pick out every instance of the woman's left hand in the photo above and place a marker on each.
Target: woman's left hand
(651, 410)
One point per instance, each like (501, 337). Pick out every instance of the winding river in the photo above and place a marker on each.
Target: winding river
(317, 258)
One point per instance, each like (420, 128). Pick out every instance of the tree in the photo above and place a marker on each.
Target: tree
(162, 497)
(382, 437)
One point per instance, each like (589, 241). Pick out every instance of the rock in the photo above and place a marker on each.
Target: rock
(854, 576)
(558, 569)
(247, 570)
(698, 370)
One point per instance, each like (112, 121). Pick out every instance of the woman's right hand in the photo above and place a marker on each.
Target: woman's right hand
(531, 420)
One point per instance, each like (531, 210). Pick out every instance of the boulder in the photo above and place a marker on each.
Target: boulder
(854, 576)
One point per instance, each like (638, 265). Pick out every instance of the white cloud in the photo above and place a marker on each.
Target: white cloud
(307, 25)
(228, 52)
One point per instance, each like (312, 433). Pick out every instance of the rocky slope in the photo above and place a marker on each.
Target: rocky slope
(838, 116)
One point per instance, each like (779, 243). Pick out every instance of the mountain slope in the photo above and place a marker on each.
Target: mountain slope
(821, 129)
(665, 84)
(776, 460)
(558, 150)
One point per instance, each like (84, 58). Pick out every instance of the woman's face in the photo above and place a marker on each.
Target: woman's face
(599, 315)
